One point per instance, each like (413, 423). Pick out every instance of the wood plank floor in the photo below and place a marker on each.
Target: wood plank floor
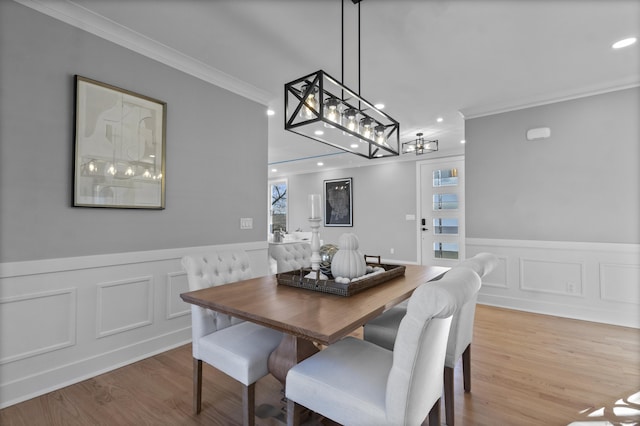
(527, 369)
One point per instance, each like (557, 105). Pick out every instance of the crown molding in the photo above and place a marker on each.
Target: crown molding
(80, 17)
(486, 110)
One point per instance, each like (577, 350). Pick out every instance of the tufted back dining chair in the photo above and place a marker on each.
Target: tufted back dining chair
(290, 257)
(383, 330)
(237, 348)
(355, 382)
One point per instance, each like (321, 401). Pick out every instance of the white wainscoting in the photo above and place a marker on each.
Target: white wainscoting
(597, 282)
(65, 320)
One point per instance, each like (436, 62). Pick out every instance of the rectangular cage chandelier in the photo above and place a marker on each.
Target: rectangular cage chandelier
(321, 108)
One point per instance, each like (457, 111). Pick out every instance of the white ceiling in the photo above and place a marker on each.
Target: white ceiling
(422, 59)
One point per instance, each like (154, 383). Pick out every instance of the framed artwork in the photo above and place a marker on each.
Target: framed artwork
(338, 202)
(119, 148)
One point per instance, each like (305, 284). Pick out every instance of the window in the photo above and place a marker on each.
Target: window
(279, 206)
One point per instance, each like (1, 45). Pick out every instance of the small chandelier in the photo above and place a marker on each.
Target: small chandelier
(419, 146)
(321, 108)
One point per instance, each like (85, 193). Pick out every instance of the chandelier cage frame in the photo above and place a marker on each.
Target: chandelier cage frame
(419, 145)
(319, 118)
(321, 108)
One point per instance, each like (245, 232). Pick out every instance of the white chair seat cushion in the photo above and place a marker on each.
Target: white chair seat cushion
(346, 382)
(241, 350)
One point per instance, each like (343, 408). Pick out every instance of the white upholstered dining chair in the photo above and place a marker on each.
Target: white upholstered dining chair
(237, 348)
(383, 329)
(290, 257)
(355, 382)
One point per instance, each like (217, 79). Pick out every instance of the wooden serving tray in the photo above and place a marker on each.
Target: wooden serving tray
(297, 279)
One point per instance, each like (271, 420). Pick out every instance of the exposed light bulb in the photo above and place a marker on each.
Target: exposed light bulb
(146, 174)
(380, 136)
(367, 126)
(351, 115)
(111, 170)
(331, 111)
(129, 171)
(92, 166)
(310, 106)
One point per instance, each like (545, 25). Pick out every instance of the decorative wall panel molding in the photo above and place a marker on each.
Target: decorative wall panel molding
(177, 283)
(124, 305)
(553, 277)
(620, 283)
(597, 282)
(95, 314)
(34, 324)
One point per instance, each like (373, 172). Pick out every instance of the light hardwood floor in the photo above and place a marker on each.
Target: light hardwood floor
(527, 369)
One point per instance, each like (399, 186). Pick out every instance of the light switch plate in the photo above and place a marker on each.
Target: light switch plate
(246, 223)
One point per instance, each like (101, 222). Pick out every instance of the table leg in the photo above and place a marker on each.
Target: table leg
(291, 351)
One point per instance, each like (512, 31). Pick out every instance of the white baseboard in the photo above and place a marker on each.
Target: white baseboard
(88, 315)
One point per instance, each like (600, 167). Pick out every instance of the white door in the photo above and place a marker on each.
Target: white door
(441, 214)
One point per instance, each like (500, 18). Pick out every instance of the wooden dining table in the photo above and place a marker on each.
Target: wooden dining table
(306, 316)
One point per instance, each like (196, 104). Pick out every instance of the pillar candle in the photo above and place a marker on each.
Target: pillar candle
(314, 206)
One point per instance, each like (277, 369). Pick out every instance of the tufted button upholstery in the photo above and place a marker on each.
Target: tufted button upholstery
(211, 270)
(290, 257)
(238, 348)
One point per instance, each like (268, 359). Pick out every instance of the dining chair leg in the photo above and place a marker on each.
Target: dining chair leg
(434, 414)
(293, 413)
(197, 386)
(466, 368)
(449, 403)
(249, 405)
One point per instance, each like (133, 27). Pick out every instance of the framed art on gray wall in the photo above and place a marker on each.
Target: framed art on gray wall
(338, 202)
(119, 147)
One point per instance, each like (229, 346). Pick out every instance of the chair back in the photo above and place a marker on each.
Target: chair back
(290, 257)
(212, 269)
(415, 379)
(482, 263)
(461, 333)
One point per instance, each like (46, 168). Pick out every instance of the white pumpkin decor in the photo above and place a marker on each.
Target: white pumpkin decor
(348, 262)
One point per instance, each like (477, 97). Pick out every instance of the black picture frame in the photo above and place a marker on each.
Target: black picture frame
(338, 202)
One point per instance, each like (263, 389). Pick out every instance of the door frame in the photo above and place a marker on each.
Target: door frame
(433, 161)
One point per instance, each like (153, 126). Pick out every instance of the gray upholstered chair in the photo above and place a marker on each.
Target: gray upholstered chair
(237, 348)
(383, 329)
(290, 257)
(355, 382)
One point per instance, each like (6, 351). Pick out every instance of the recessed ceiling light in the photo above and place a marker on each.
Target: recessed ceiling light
(354, 145)
(463, 141)
(379, 106)
(271, 112)
(439, 119)
(274, 170)
(319, 133)
(320, 163)
(624, 43)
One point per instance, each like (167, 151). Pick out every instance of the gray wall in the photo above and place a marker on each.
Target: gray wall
(581, 184)
(211, 182)
(383, 194)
